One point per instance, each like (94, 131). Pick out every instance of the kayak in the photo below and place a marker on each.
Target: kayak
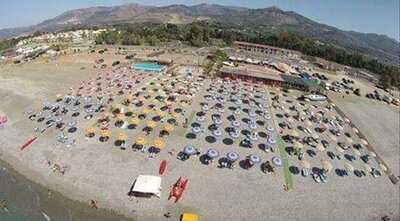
(29, 142)
(163, 167)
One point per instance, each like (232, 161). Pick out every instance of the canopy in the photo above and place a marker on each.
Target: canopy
(254, 158)
(147, 184)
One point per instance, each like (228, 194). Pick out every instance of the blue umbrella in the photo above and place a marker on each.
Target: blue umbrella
(212, 153)
(232, 156)
(270, 128)
(189, 150)
(254, 158)
(277, 161)
(72, 124)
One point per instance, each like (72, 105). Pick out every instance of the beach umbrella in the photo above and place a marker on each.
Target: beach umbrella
(382, 166)
(105, 133)
(169, 128)
(271, 140)
(363, 141)
(332, 137)
(327, 165)
(140, 141)
(315, 136)
(298, 145)
(305, 164)
(270, 128)
(320, 147)
(356, 152)
(232, 156)
(161, 113)
(294, 133)
(308, 123)
(276, 161)
(212, 153)
(349, 140)
(146, 110)
(89, 131)
(367, 168)
(159, 144)
(122, 136)
(133, 120)
(339, 149)
(189, 150)
(348, 167)
(119, 117)
(355, 130)
(254, 159)
(151, 124)
(373, 154)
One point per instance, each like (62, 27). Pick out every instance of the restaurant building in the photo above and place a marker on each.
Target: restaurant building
(266, 49)
(273, 79)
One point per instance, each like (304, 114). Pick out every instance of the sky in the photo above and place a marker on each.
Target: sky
(367, 16)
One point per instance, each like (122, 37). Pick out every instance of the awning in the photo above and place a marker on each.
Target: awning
(148, 184)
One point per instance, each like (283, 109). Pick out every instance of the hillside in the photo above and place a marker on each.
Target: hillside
(266, 20)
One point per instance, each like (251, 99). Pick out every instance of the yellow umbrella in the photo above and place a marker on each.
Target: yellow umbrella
(169, 127)
(89, 131)
(140, 141)
(175, 115)
(146, 110)
(105, 133)
(159, 144)
(367, 168)
(122, 136)
(327, 165)
(133, 120)
(305, 164)
(161, 113)
(348, 167)
(151, 124)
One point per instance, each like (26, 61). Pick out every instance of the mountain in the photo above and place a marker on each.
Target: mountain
(265, 20)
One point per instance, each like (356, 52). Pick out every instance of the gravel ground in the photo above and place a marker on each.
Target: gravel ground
(104, 172)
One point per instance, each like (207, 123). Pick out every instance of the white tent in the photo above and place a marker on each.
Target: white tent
(147, 185)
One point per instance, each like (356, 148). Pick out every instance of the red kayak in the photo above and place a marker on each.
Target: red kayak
(29, 142)
(163, 167)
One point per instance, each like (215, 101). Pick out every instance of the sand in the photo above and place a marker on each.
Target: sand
(105, 173)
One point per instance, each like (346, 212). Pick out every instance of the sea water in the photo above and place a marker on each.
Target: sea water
(28, 201)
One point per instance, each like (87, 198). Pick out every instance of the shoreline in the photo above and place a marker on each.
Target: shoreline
(57, 205)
